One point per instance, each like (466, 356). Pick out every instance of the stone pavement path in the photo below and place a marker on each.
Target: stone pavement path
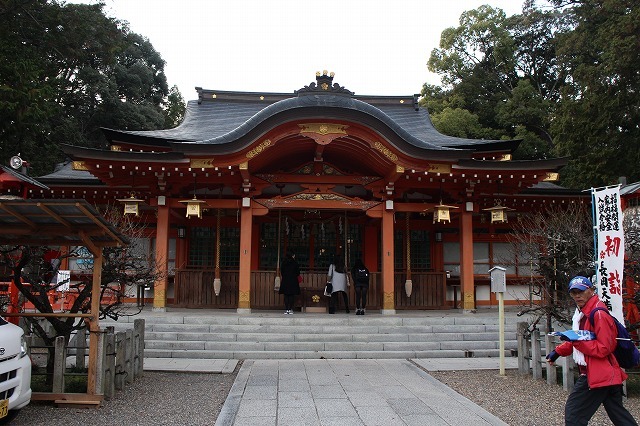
(345, 392)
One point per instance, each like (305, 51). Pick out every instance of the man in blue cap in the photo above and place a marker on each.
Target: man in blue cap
(601, 377)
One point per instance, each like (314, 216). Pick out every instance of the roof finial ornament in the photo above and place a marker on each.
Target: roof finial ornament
(324, 83)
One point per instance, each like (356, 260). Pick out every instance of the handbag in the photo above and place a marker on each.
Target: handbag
(328, 289)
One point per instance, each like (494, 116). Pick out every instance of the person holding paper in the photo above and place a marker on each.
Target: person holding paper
(601, 377)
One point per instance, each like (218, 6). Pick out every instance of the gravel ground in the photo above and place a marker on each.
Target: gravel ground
(155, 399)
(519, 399)
(196, 399)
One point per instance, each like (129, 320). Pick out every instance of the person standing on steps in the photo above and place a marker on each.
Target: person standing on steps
(290, 285)
(360, 275)
(337, 275)
(601, 377)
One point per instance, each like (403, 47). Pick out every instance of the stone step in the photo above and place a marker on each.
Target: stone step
(315, 320)
(336, 337)
(322, 346)
(225, 354)
(273, 335)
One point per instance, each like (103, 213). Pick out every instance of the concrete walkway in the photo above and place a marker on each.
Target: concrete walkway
(341, 392)
(345, 392)
(350, 392)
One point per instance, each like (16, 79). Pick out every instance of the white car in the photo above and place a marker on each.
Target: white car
(15, 371)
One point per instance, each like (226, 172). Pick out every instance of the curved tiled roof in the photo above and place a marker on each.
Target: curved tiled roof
(220, 118)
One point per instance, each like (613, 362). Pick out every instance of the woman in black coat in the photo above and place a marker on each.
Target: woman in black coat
(289, 286)
(360, 275)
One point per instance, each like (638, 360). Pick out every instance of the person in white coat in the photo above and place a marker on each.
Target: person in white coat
(337, 275)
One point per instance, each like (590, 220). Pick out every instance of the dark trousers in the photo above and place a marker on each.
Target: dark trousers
(584, 402)
(333, 300)
(361, 297)
(288, 301)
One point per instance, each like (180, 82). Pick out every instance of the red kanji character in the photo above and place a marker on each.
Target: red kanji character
(614, 283)
(612, 245)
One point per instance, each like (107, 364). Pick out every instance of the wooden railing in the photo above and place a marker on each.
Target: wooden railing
(194, 289)
(121, 362)
(429, 291)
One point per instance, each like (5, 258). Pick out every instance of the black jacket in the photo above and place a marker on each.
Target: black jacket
(289, 270)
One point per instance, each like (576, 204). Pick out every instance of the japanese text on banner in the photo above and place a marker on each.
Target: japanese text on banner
(610, 248)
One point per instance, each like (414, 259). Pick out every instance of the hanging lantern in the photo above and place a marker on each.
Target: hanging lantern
(194, 207)
(498, 213)
(131, 204)
(441, 213)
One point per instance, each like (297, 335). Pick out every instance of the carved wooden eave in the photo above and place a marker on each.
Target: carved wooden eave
(323, 133)
(313, 200)
(309, 178)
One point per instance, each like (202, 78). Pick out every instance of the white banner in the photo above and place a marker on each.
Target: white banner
(63, 279)
(610, 248)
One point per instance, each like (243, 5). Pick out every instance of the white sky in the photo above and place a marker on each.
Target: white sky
(375, 47)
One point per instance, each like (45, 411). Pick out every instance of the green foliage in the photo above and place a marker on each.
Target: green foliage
(564, 80)
(175, 108)
(66, 70)
(459, 122)
(502, 71)
(598, 116)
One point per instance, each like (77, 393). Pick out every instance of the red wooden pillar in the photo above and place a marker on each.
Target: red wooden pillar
(162, 255)
(466, 260)
(244, 281)
(370, 244)
(388, 302)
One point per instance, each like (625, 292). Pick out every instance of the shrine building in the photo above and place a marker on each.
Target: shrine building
(248, 176)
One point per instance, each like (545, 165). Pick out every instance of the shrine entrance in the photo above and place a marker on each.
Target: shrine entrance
(315, 236)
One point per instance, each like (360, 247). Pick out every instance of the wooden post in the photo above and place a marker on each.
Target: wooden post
(59, 365)
(536, 355)
(501, 331)
(81, 346)
(388, 255)
(552, 370)
(467, 284)
(119, 360)
(138, 366)
(29, 340)
(110, 364)
(523, 364)
(567, 373)
(94, 323)
(244, 284)
(100, 363)
(128, 356)
(162, 254)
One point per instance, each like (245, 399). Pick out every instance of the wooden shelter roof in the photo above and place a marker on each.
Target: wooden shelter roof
(13, 178)
(57, 222)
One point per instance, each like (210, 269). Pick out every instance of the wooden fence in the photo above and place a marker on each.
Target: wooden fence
(194, 289)
(121, 361)
(531, 358)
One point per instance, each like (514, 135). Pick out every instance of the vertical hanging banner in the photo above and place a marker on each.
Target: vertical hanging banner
(609, 237)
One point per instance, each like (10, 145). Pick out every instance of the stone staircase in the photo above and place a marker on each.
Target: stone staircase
(220, 334)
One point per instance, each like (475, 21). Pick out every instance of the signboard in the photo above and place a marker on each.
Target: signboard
(609, 241)
(498, 279)
(63, 278)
